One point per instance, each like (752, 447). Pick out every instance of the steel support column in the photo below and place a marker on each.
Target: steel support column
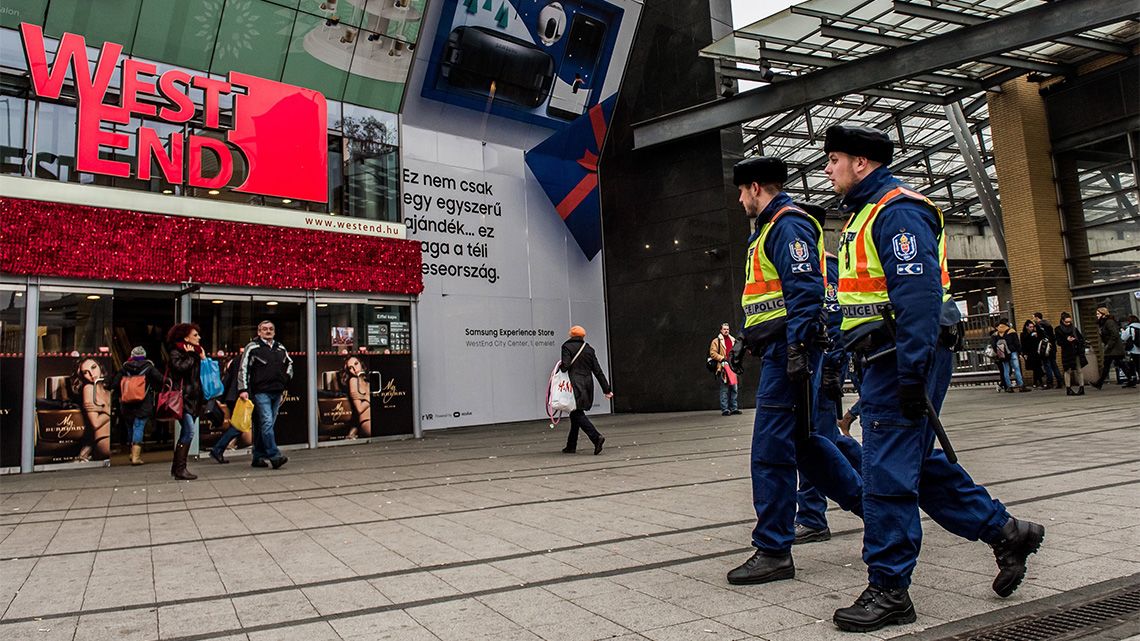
(976, 167)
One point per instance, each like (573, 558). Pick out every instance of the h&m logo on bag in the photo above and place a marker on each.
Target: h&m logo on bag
(279, 130)
(565, 386)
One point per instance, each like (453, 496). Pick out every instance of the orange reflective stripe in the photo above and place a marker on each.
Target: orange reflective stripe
(762, 287)
(863, 285)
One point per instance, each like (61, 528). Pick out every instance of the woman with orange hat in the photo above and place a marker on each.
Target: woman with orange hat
(580, 361)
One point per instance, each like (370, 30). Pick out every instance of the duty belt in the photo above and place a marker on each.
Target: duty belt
(866, 310)
(765, 306)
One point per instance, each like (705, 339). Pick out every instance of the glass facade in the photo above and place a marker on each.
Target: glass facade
(356, 53)
(1101, 209)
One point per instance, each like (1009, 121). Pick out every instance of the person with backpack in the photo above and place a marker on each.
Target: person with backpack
(136, 382)
(1007, 348)
(1130, 334)
(1047, 350)
(1114, 354)
(580, 361)
(1072, 343)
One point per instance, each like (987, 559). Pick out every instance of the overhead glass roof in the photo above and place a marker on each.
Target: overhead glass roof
(817, 34)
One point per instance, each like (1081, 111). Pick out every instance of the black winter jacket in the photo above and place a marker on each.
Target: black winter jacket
(1029, 343)
(185, 375)
(1011, 341)
(264, 369)
(1110, 336)
(581, 370)
(1071, 351)
(154, 381)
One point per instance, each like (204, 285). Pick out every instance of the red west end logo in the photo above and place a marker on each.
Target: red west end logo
(278, 129)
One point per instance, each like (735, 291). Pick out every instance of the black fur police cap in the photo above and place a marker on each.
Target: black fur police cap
(870, 143)
(762, 169)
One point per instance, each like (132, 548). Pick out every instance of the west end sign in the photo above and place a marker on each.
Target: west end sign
(278, 130)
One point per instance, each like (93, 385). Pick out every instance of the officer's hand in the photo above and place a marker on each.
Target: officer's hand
(912, 399)
(797, 363)
(736, 356)
(832, 383)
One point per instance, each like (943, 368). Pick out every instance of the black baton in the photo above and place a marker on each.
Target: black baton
(935, 422)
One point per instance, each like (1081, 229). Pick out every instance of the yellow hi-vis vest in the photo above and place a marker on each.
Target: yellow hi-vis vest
(862, 281)
(763, 298)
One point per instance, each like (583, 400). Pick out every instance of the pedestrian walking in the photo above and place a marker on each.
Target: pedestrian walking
(1072, 343)
(263, 377)
(898, 317)
(783, 325)
(184, 344)
(1114, 353)
(719, 350)
(136, 410)
(1130, 336)
(581, 362)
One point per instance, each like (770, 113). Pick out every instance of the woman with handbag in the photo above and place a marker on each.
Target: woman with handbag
(184, 342)
(580, 361)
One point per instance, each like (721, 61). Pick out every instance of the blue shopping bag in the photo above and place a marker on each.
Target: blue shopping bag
(211, 375)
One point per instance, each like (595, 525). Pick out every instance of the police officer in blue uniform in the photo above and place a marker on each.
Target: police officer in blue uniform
(811, 505)
(782, 301)
(893, 251)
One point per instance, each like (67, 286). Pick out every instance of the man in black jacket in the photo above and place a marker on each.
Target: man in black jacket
(264, 374)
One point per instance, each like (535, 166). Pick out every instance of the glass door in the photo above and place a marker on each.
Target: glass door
(364, 369)
(12, 309)
(73, 359)
(229, 323)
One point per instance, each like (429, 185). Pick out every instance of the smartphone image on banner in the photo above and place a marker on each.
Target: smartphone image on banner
(574, 83)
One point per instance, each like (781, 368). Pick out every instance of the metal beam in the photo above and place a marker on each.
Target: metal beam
(893, 94)
(987, 195)
(1037, 24)
(895, 42)
(967, 19)
(808, 60)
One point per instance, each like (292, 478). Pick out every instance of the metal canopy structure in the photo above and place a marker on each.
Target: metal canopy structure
(902, 66)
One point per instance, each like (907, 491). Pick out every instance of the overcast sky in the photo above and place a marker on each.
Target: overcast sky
(745, 12)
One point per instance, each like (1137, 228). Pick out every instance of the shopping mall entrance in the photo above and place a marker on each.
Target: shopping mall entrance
(351, 359)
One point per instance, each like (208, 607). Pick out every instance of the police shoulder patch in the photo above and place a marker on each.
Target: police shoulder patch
(798, 249)
(904, 245)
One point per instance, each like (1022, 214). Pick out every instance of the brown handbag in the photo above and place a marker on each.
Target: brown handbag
(169, 401)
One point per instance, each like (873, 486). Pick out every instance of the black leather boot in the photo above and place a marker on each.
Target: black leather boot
(763, 568)
(1018, 540)
(805, 534)
(875, 608)
(178, 467)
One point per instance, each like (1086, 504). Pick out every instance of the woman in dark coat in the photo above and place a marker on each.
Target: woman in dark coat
(1029, 343)
(184, 342)
(137, 414)
(1072, 344)
(1113, 347)
(579, 359)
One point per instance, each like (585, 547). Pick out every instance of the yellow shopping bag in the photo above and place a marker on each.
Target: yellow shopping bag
(242, 418)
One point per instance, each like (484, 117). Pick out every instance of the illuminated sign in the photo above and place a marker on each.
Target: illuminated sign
(277, 130)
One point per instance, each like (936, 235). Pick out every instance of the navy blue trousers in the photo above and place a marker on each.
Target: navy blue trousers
(902, 472)
(775, 457)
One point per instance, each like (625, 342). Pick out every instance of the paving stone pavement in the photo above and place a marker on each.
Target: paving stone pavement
(491, 533)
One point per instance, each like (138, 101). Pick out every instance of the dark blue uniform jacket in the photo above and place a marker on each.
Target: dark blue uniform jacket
(792, 246)
(906, 234)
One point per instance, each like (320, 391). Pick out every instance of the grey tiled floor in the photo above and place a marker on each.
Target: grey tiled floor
(490, 533)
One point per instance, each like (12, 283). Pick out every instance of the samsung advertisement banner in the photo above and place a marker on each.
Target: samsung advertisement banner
(503, 123)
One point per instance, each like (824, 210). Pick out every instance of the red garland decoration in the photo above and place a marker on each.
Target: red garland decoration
(76, 241)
